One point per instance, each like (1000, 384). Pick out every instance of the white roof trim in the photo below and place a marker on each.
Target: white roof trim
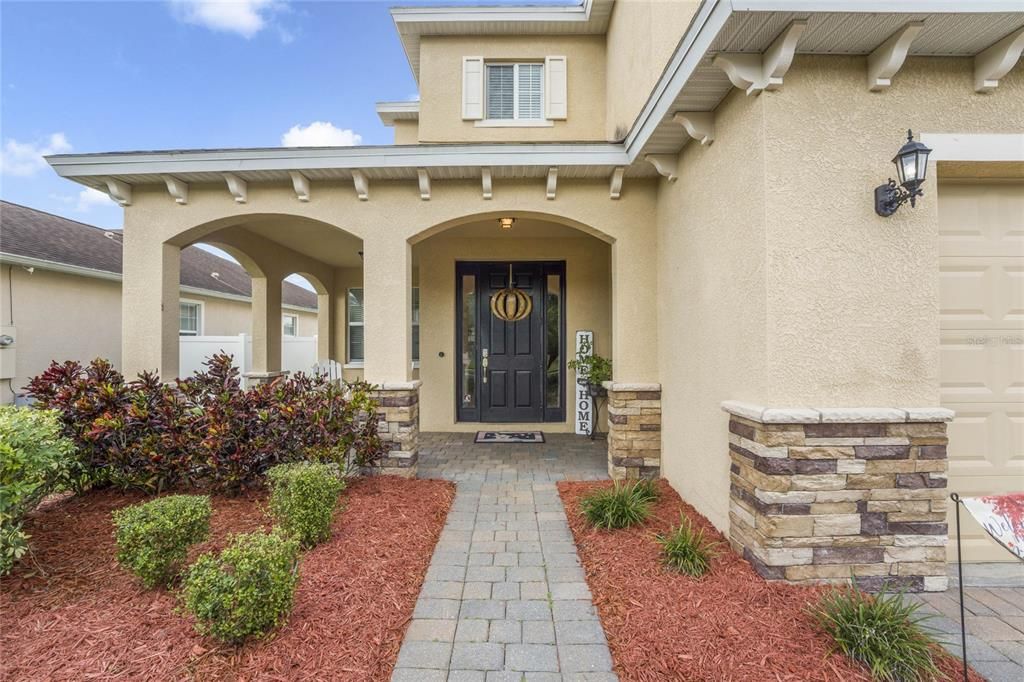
(294, 158)
(80, 271)
(877, 6)
(390, 112)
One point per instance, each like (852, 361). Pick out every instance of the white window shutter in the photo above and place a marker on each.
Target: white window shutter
(472, 88)
(556, 104)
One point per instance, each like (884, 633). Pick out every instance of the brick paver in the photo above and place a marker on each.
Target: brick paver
(995, 630)
(505, 597)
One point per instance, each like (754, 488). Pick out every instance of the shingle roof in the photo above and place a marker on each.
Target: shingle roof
(33, 233)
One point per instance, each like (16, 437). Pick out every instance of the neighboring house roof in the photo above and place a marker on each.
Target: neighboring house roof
(41, 236)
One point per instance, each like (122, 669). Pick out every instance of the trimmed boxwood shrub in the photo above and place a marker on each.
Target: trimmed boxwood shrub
(245, 591)
(303, 497)
(35, 460)
(153, 538)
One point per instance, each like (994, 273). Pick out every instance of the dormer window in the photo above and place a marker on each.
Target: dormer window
(515, 92)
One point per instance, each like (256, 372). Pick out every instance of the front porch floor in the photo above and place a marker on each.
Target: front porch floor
(505, 597)
(563, 457)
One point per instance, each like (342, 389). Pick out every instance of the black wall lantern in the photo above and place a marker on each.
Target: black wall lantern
(911, 167)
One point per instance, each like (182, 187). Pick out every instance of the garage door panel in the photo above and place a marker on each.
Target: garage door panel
(981, 303)
(973, 219)
(986, 292)
(981, 366)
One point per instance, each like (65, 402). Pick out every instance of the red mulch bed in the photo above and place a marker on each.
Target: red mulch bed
(71, 613)
(730, 625)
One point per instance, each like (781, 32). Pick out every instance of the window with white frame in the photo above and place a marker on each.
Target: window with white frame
(190, 318)
(355, 326)
(290, 325)
(356, 345)
(515, 91)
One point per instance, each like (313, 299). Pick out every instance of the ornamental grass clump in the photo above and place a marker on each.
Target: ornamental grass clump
(303, 497)
(685, 549)
(621, 506)
(153, 538)
(246, 590)
(883, 632)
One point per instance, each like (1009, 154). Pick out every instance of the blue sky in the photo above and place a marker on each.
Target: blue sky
(110, 76)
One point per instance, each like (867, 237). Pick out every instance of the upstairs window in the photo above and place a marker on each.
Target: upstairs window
(190, 318)
(290, 325)
(515, 91)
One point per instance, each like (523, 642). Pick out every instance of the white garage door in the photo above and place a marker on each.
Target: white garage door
(981, 249)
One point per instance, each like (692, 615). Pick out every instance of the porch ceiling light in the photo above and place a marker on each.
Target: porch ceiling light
(506, 223)
(911, 163)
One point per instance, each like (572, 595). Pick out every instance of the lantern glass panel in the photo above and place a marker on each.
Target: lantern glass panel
(922, 164)
(907, 168)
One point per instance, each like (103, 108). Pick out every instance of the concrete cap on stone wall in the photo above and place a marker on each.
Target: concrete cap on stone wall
(836, 415)
(399, 385)
(623, 386)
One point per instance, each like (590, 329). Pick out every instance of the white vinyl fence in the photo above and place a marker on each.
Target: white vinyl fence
(298, 353)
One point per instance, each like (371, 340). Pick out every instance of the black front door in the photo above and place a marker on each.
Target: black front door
(510, 371)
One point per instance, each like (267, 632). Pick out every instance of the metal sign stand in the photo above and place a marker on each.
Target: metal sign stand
(960, 584)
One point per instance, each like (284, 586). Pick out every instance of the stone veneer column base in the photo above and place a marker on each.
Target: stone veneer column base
(634, 430)
(258, 378)
(820, 495)
(399, 427)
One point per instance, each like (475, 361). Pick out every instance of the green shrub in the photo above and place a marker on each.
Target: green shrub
(247, 590)
(153, 538)
(883, 632)
(622, 505)
(685, 549)
(35, 460)
(303, 497)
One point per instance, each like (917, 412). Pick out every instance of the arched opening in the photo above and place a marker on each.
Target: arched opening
(267, 289)
(478, 369)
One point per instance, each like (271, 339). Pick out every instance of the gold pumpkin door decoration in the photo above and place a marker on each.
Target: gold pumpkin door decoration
(511, 304)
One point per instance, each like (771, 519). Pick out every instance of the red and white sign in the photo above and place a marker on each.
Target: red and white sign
(1002, 517)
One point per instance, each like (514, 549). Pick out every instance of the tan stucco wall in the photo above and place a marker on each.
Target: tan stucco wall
(407, 132)
(642, 36)
(782, 286)
(61, 316)
(387, 223)
(588, 306)
(441, 86)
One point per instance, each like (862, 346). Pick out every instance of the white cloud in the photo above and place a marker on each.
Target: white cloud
(320, 134)
(25, 159)
(90, 198)
(244, 17)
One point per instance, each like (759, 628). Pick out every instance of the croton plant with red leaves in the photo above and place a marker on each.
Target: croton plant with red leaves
(205, 431)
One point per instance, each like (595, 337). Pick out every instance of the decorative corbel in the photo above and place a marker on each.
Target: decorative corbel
(300, 183)
(362, 185)
(485, 180)
(665, 165)
(424, 179)
(700, 125)
(238, 187)
(756, 72)
(615, 189)
(552, 181)
(996, 61)
(121, 192)
(176, 188)
(888, 58)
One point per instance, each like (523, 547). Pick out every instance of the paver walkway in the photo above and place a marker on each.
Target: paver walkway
(505, 597)
(994, 603)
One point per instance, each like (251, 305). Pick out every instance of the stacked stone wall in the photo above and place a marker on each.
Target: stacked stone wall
(827, 500)
(634, 430)
(398, 415)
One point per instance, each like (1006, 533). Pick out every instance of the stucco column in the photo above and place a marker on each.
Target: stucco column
(635, 309)
(325, 327)
(387, 291)
(149, 305)
(266, 325)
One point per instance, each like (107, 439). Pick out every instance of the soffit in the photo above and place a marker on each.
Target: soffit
(590, 17)
(945, 34)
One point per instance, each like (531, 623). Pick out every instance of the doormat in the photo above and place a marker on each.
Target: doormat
(509, 437)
